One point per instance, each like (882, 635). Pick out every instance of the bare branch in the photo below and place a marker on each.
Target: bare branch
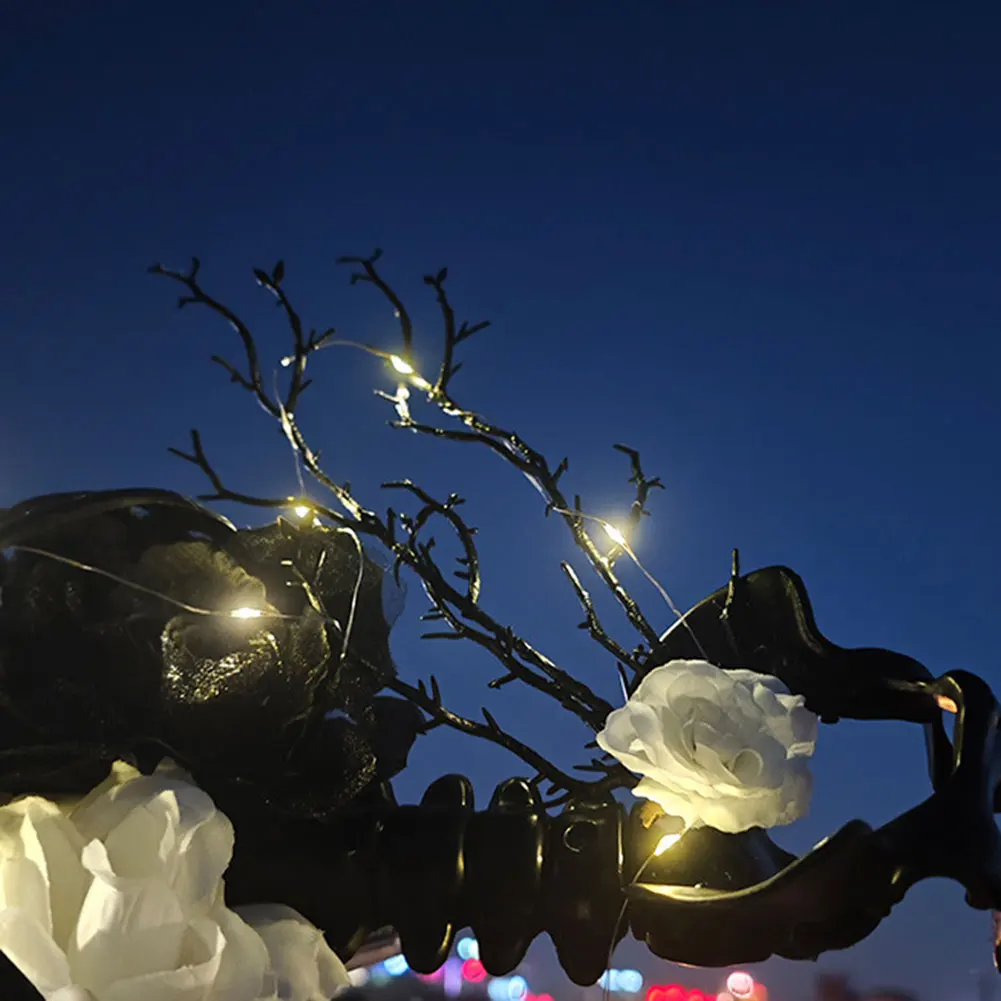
(197, 294)
(591, 622)
(370, 275)
(458, 606)
(471, 560)
(453, 337)
(454, 606)
(509, 445)
(644, 484)
(300, 345)
(431, 703)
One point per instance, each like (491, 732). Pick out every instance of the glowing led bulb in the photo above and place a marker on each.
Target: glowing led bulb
(614, 534)
(301, 510)
(246, 613)
(666, 842)
(404, 368)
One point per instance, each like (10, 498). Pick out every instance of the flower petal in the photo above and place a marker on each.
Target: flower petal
(127, 927)
(306, 967)
(191, 980)
(73, 993)
(33, 951)
(244, 962)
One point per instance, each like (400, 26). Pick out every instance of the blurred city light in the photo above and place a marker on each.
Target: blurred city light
(740, 985)
(473, 971)
(396, 966)
(467, 948)
(621, 981)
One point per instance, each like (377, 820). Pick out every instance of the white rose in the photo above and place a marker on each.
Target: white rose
(121, 897)
(302, 965)
(723, 748)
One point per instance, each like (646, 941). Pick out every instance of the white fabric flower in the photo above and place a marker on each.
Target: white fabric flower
(303, 966)
(121, 897)
(723, 748)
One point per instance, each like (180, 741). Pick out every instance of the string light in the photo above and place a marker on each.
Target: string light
(246, 613)
(667, 842)
(302, 510)
(614, 534)
(401, 366)
(243, 613)
(240, 613)
(620, 540)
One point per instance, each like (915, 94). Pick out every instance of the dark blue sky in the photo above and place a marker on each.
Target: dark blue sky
(757, 241)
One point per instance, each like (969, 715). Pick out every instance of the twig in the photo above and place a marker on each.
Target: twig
(593, 624)
(282, 410)
(457, 606)
(453, 337)
(370, 275)
(644, 484)
(511, 446)
(430, 701)
(471, 560)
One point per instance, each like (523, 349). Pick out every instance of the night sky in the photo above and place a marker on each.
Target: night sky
(756, 241)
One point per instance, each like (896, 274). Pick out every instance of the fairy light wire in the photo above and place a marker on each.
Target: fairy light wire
(356, 592)
(286, 426)
(404, 368)
(399, 364)
(664, 844)
(241, 613)
(238, 613)
(622, 542)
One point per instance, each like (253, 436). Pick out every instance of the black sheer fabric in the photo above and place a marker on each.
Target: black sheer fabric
(273, 714)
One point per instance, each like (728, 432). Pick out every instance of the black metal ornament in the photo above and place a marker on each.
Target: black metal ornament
(586, 876)
(92, 669)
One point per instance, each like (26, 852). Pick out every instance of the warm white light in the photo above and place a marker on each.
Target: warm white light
(287, 360)
(740, 985)
(302, 510)
(246, 613)
(404, 368)
(614, 534)
(946, 704)
(666, 842)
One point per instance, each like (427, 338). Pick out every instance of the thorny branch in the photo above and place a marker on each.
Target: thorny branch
(458, 607)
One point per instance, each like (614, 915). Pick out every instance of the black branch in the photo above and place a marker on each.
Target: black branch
(593, 624)
(643, 484)
(507, 444)
(402, 535)
(429, 699)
